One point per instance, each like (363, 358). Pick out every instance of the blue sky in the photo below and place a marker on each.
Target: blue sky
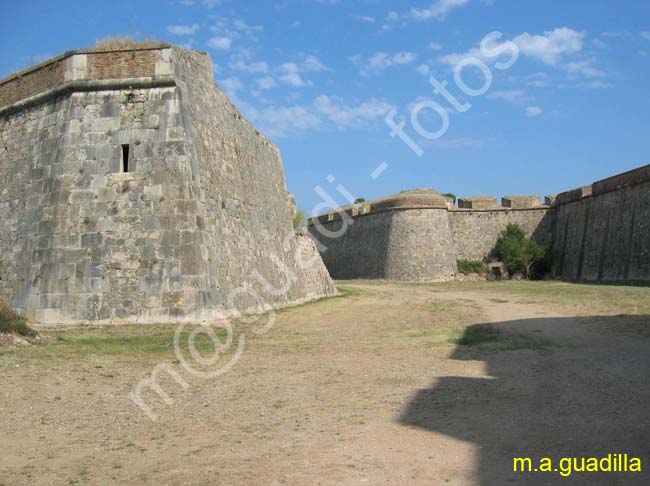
(319, 76)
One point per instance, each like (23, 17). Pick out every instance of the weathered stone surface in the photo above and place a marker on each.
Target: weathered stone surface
(480, 202)
(520, 202)
(599, 232)
(199, 226)
(605, 236)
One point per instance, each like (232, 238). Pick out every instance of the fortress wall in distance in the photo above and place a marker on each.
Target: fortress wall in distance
(602, 231)
(475, 232)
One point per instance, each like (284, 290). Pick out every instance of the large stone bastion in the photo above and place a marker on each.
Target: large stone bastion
(131, 190)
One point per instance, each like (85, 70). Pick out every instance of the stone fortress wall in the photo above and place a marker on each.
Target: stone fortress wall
(600, 232)
(131, 190)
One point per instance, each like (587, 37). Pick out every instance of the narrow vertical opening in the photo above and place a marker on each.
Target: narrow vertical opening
(125, 158)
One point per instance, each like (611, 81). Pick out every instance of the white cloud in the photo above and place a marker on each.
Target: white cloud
(324, 113)
(599, 44)
(454, 143)
(583, 68)
(533, 111)
(365, 18)
(266, 82)
(552, 46)
(220, 43)
(312, 63)
(615, 35)
(392, 16)
(344, 116)
(381, 61)
(596, 84)
(291, 71)
(183, 29)
(241, 25)
(423, 69)
(645, 34)
(454, 58)
(252, 67)
(292, 76)
(511, 96)
(435, 46)
(231, 84)
(437, 10)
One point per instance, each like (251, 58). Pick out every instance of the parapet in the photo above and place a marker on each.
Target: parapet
(421, 198)
(629, 178)
(507, 202)
(573, 195)
(481, 202)
(550, 199)
(134, 67)
(520, 202)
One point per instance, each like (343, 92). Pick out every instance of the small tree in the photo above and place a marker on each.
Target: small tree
(517, 252)
(359, 200)
(451, 196)
(299, 219)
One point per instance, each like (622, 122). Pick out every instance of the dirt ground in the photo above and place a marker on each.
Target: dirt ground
(388, 384)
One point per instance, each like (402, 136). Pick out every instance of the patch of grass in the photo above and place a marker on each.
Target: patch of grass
(470, 266)
(487, 337)
(10, 322)
(343, 292)
(576, 298)
(140, 342)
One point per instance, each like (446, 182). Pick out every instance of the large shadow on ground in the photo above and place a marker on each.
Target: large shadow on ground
(575, 389)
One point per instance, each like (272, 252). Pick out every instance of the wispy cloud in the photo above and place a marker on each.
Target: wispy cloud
(596, 84)
(365, 18)
(266, 82)
(513, 96)
(239, 64)
(437, 10)
(533, 111)
(382, 60)
(291, 71)
(345, 116)
(559, 48)
(552, 46)
(583, 68)
(183, 29)
(220, 43)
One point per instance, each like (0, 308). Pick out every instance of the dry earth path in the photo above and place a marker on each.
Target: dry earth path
(366, 389)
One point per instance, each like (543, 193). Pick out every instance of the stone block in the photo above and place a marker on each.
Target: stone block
(520, 202)
(481, 202)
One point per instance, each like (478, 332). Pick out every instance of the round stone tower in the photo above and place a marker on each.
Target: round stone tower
(406, 236)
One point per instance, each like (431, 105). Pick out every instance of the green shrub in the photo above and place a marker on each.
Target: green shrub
(449, 194)
(359, 200)
(518, 253)
(299, 219)
(13, 323)
(470, 266)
